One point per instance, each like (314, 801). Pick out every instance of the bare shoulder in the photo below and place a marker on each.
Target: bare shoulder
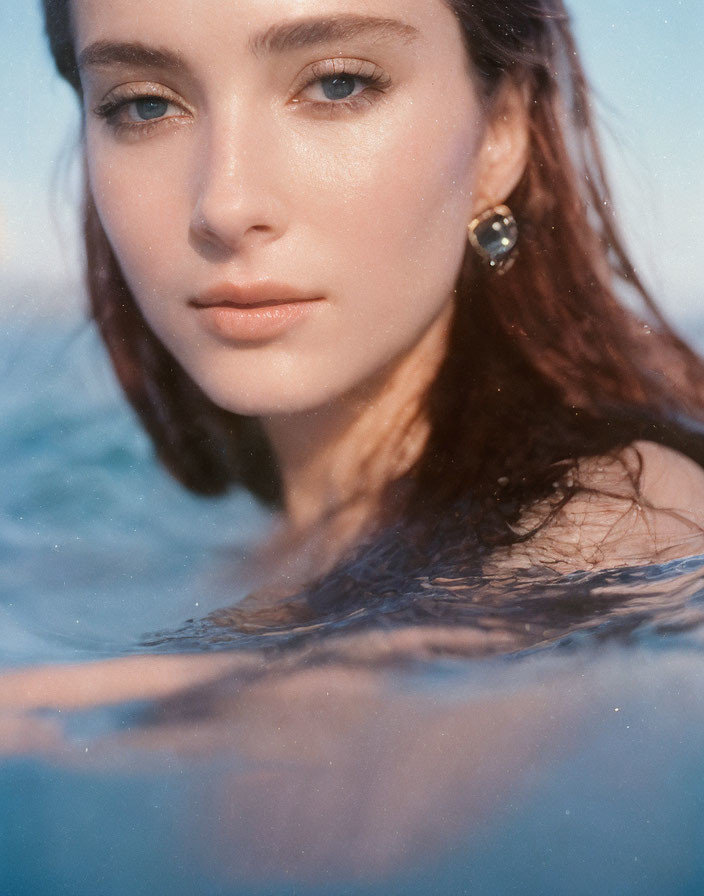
(644, 504)
(671, 480)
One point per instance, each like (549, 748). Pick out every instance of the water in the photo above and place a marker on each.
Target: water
(97, 545)
(461, 736)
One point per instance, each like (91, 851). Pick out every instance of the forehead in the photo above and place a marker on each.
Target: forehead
(260, 27)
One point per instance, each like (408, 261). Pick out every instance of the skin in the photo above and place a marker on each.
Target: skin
(612, 523)
(251, 175)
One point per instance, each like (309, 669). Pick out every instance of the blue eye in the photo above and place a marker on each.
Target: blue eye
(342, 85)
(338, 87)
(150, 107)
(138, 112)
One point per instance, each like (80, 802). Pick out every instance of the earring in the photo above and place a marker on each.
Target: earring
(493, 236)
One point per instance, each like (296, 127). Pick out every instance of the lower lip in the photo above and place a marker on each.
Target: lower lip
(258, 323)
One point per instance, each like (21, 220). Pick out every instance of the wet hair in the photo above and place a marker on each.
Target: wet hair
(545, 364)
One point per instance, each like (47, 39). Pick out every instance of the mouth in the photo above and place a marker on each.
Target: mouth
(252, 296)
(253, 313)
(251, 306)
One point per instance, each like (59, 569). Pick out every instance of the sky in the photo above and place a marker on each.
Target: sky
(644, 59)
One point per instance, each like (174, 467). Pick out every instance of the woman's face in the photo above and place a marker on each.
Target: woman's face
(232, 147)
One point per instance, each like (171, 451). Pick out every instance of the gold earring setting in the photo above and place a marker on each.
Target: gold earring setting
(493, 236)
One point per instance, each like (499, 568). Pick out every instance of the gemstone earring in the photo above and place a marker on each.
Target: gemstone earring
(493, 236)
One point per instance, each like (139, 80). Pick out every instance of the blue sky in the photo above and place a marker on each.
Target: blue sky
(645, 60)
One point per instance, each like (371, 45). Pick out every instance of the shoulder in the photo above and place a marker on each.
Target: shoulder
(670, 480)
(643, 504)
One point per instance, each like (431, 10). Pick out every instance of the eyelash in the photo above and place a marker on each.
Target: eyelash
(376, 84)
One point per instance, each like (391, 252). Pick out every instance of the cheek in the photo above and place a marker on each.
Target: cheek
(424, 195)
(397, 206)
(141, 203)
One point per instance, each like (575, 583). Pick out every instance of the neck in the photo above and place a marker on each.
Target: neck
(337, 461)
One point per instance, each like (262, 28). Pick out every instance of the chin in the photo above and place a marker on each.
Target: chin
(263, 399)
(274, 382)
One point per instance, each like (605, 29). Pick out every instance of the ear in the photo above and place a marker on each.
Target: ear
(503, 154)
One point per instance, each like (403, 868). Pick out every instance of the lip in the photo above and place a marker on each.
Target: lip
(252, 312)
(261, 294)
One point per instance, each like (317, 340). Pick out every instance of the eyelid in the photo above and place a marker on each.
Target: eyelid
(136, 90)
(326, 68)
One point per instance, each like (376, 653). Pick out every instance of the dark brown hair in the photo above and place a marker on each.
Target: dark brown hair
(544, 364)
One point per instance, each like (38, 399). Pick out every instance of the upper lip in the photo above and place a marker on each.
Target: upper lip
(252, 294)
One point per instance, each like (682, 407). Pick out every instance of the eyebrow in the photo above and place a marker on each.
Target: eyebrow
(287, 36)
(104, 53)
(280, 38)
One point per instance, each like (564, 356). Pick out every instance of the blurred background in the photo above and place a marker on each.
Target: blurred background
(645, 61)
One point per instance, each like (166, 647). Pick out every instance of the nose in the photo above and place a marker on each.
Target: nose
(237, 201)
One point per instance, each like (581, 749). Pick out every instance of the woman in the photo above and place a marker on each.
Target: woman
(300, 237)
(361, 258)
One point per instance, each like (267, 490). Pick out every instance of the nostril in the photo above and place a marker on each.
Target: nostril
(217, 236)
(232, 216)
